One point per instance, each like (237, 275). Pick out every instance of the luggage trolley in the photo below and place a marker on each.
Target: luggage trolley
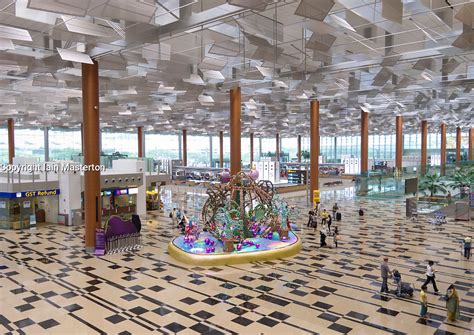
(438, 219)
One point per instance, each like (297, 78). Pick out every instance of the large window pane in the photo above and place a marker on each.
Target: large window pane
(64, 144)
(29, 143)
(3, 145)
(158, 146)
(451, 141)
(245, 150)
(124, 143)
(198, 153)
(268, 146)
(216, 151)
(289, 145)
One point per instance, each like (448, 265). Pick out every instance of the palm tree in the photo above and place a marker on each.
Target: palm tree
(461, 177)
(305, 155)
(433, 183)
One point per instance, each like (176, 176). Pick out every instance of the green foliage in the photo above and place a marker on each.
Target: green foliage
(462, 176)
(229, 224)
(305, 155)
(434, 184)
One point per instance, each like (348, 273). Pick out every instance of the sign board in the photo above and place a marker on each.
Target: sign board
(29, 194)
(33, 221)
(99, 242)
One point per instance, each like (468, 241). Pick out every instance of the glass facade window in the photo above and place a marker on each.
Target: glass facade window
(216, 150)
(450, 140)
(198, 151)
(3, 145)
(29, 143)
(327, 148)
(268, 146)
(64, 144)
(412, 144)
(434, 141)
(465, 141)
(245, 150)
(158, 146)
(124, 143)
(289, 145)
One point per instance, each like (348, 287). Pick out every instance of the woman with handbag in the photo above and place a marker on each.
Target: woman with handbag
(452, 303)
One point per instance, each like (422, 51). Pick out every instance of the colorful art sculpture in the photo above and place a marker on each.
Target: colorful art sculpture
(244, 208)
(191, 231)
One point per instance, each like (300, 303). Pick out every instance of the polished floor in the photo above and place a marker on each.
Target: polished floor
(48, 285)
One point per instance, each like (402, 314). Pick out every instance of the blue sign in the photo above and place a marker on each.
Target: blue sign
(29, 194)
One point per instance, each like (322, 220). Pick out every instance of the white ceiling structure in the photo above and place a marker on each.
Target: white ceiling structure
(168, 64)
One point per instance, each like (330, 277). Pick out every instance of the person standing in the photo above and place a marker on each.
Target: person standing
(452, 303)
(423, 302)
(467, 247)
(336, 236)
(179, 216)
(324, 216)
(173, 215)
(310, 218)
(323, 234)
(335, 208)
(385, 273)
(430, 276)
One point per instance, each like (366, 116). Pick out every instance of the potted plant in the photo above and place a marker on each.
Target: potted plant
(434, 184)
(461, 177)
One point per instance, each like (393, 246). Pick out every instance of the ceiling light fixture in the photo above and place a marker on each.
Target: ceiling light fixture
(425, 75)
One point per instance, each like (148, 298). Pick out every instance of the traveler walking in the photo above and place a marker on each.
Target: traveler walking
(430, 276)
(467, 247)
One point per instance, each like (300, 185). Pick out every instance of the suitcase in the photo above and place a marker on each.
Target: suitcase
(338, 216)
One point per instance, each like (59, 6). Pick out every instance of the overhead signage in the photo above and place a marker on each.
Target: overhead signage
(29, 194)
(121, 192)
(124, 191)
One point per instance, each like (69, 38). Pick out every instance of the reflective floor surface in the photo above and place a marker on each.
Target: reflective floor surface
(48, 285)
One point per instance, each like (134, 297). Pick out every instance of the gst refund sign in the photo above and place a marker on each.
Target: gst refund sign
(32, 194)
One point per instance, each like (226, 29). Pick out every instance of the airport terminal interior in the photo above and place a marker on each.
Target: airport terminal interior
(236, 167)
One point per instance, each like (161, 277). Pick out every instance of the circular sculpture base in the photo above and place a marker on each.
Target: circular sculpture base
(268, 249)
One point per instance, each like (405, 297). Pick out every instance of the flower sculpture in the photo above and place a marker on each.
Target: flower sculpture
(243, 208)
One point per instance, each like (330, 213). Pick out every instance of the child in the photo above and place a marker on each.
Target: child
(423, 302)
(397, 277)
